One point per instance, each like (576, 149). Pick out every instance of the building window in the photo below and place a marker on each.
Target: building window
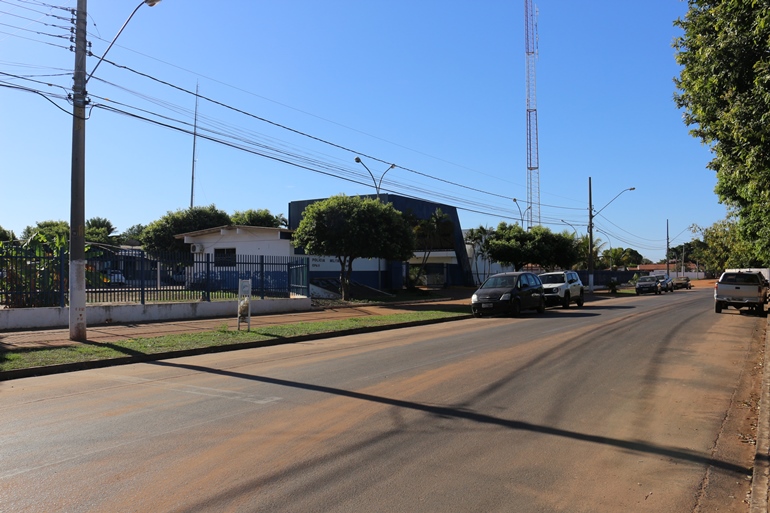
(224, 257)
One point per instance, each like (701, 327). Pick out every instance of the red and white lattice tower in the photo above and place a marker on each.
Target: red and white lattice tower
(533, 157)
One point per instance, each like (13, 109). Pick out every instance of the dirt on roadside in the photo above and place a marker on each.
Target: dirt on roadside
(737, 440)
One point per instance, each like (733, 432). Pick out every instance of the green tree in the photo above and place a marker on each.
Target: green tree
(29, 268)
(6, 235)
(724, 248)
(553, 250)
(478, 240)
(582, 252)
(353, 227)
(615, 257)
(433, 233)
(724, 89)
(49, 230)
(132, 235)
(101, 231)
(511, 245)
(261, 217)
(633, 257)
(160, 235)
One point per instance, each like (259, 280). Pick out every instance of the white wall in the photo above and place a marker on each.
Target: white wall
(54, 317)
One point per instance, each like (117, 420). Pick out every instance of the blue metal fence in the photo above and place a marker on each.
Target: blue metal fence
(136, 276)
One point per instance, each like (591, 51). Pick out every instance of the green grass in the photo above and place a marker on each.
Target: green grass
(30, 358)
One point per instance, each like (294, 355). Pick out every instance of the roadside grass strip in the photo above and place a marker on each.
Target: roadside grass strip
(137, 347)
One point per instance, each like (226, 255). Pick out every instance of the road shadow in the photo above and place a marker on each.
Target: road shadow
(638, 446)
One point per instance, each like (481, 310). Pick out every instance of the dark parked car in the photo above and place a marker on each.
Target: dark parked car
(647, 284)
(509, 293)
(682, 282)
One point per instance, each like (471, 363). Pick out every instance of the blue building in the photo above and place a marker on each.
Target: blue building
(446, 266)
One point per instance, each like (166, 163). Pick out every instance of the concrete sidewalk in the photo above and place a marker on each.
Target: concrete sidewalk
(32, 339)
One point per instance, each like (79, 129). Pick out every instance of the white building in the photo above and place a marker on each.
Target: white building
(228, 241)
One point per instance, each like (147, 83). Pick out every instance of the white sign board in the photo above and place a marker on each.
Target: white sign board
(327, 263)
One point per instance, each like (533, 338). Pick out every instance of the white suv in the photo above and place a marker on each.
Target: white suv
(562, 288)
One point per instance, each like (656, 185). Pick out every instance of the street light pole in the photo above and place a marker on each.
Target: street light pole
(591, 216)
(377, 188)
(521, 214)
(573, 228)
(376, 185)
(77, 264)
(609, 242)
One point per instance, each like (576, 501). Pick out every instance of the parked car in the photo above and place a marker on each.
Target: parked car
(115, 278)
(739, 290)
(666, 283)
(562, 288)
(509, 293)
(647, 284)
(682, 282)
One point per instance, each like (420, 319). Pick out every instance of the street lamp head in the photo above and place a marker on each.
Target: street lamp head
(151, 3)
(358, 160)
(632, 189)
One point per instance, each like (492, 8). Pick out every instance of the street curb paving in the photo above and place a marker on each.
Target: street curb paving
(759, 480)
(143, 358)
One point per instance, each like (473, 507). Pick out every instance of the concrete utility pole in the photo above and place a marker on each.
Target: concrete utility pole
(667, 249)
(77, 265)
(590, 239)
(591, 216)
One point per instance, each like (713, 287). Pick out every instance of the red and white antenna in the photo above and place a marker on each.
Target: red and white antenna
(533, 157)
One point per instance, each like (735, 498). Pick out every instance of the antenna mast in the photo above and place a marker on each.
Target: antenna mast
(195, 139)
(533, 157)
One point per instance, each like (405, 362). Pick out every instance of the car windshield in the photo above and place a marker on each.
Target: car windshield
(645, 279)
(552, 278)
(499, 282)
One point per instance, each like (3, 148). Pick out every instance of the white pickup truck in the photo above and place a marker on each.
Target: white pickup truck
(741, 290)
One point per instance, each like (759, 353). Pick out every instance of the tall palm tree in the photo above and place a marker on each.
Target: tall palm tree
(100, 222)
(478, 240)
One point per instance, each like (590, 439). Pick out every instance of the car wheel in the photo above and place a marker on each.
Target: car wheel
(515, 307)
(541, 306)
(580, 300)
(565, 301)
(477, 314)
(637, 292)
(717, 307)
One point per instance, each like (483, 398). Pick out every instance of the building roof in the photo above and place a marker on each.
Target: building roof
(237, 228)
(662, 267)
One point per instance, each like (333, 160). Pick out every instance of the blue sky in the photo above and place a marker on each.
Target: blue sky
(435, 87)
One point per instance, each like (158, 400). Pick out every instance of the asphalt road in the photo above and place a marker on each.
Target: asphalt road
(623, 405)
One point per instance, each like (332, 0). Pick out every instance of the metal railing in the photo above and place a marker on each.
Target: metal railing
(135, 276)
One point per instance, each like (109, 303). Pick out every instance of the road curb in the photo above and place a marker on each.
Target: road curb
(761, 470)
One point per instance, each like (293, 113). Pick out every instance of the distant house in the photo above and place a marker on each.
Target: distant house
(674, 268)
